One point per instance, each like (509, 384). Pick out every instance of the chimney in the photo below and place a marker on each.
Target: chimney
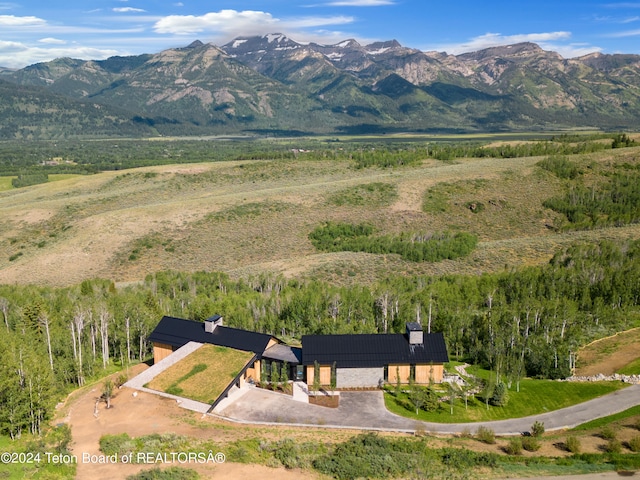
(414, 333)
(210, 324)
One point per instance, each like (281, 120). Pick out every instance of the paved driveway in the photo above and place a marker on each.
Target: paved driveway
(366, 410)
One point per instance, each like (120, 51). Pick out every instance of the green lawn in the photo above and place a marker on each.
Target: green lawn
(535, 397)
(616, 417)
(203, 375)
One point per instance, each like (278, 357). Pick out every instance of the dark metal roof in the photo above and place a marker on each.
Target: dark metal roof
(284, 353)
(372, 350)
(178, 332)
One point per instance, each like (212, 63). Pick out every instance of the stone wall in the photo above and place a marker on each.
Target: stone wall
(616, 377)
(358, 377)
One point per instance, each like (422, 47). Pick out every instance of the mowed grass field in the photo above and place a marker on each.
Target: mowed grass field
(535, 397)
(250, 217)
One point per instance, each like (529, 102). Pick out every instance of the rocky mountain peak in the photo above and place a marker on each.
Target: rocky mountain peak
(350, 43)
(195, 44)
(379, 47)
(505, 51)
(260, 44)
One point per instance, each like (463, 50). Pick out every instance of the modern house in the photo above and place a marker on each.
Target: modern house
(358, 360)
(369, 360)
(172, 333)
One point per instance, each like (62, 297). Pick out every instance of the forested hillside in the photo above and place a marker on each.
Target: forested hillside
(520, 252)
(524, 322)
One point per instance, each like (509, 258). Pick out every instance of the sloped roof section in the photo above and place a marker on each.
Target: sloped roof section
(372, 350)
(178, 332)
(284, 353)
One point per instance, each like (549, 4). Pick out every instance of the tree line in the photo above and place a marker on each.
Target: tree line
(92, 156)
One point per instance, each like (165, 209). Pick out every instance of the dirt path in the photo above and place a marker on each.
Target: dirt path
(144, 414)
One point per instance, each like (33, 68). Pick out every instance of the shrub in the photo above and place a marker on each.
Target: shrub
(463, 459)
(500, 395)
(530, 444)
(514, 447)
(171, 473)
(537, 429)
(634, 444)
(608, 433)
(486, 435)
(613, 446)
(572, 444)
(112, 444)
(60, 438)
(121, 379)
(560, 167)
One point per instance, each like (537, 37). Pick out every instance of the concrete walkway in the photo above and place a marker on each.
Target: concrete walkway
(366, 410)
(150, 373)
(300, 392)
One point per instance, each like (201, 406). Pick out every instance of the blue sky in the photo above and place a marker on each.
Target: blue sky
(36, 31)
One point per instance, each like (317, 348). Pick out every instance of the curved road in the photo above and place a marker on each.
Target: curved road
(366, 410)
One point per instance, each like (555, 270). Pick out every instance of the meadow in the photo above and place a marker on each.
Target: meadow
(252, 216)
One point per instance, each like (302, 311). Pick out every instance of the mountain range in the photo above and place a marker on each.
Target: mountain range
(273, 85)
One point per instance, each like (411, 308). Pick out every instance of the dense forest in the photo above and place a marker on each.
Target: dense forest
(527, 321)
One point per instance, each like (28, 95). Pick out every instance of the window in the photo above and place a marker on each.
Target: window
(412, 372)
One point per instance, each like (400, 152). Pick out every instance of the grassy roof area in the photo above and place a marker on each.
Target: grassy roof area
(202, 375)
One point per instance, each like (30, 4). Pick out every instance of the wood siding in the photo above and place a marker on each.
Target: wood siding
(161, 351)
(395, 370)
(253, 372)
(424, 373)
(429, 373)
(325, 375)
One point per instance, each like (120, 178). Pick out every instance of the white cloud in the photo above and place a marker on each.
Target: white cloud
(630, 20)
(52, 41)
(128, 10)
(227, 24)
(224, 20)
(19, 55)
(547, 41)
(13, 21)
(628, 33)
